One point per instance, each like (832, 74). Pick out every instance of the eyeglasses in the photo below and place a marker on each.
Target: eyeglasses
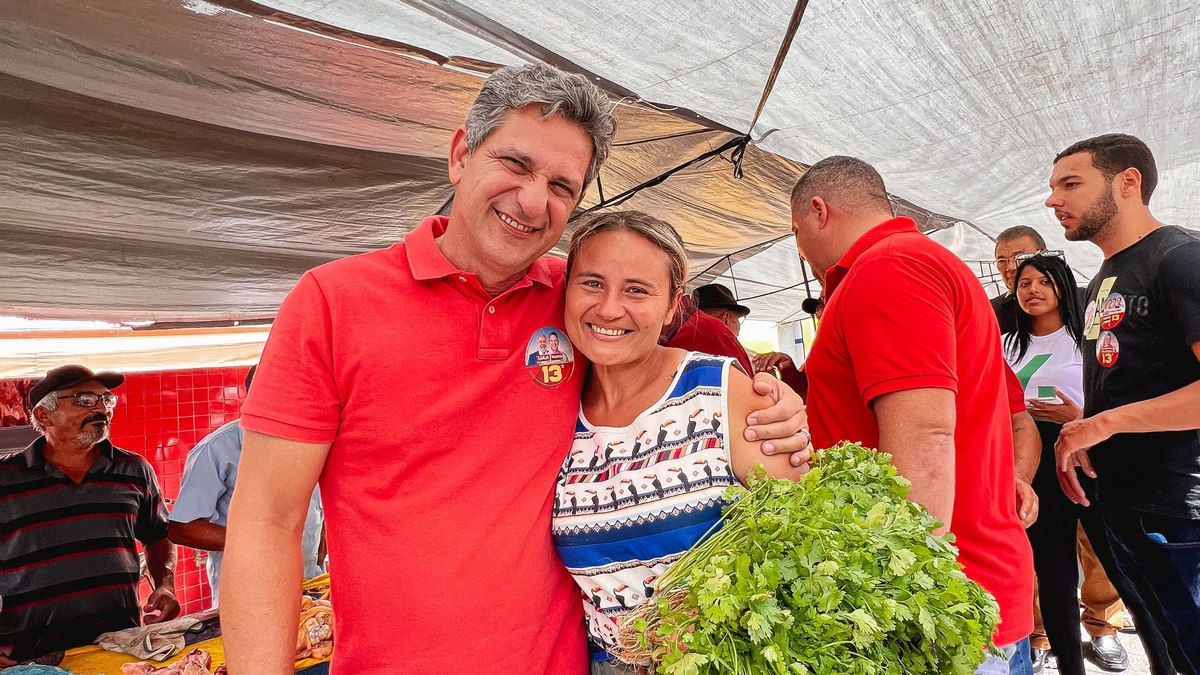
(87, 399)
(1022, 257)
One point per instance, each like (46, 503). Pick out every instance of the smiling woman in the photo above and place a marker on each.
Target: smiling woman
(659, 435)
(625, 273)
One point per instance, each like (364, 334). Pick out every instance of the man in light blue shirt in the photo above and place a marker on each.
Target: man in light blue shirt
(202, 509)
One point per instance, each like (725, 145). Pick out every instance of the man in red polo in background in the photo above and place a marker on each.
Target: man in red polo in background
(698, 330)
(908, 360)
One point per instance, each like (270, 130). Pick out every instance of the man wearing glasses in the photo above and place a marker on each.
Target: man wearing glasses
(74, 504)
(718, 301)
(1011, 243)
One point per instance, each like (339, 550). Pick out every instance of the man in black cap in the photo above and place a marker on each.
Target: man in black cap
(718, 301)
(74, 504)
(697, 329)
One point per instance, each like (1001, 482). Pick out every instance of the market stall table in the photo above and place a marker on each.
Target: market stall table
(94, 660)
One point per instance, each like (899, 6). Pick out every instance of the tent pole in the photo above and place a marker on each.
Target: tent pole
(804, 276)
(788, 36)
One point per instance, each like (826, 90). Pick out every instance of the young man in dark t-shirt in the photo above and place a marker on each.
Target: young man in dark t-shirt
(1103, 608)
(1141, 359)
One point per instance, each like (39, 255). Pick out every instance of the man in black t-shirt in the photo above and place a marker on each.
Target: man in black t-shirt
(1141, 359)
(1103, 609)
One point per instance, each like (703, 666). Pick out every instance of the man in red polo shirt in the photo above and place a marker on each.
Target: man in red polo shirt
(908, 360)
(402, 379)
(698, 331)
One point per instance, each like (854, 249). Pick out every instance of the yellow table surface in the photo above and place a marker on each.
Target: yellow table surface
(93, 660)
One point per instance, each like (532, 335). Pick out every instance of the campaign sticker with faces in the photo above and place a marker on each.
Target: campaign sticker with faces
(1108, 350)
(1089, 318)
(1112, 311)
(549, 357)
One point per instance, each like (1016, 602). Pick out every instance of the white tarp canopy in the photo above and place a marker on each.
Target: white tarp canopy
(186, 160)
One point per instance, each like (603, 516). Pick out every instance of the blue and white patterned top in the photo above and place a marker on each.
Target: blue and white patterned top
(631, 500)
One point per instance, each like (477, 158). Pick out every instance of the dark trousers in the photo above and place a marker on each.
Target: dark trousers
(1161, 556)
(1055, 561)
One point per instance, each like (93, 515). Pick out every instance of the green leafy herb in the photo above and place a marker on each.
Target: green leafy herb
(835, 574)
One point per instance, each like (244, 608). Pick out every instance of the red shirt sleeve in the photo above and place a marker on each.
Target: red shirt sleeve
(294, 394)
(1016, 394)
(899, 325)
(703, 333)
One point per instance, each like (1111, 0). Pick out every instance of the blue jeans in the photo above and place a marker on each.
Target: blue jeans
(614, 667)
(1015, 661)
(1161, 556)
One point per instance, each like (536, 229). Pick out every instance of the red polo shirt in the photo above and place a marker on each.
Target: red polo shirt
(904, 313)
(701, 332)
(445, 448)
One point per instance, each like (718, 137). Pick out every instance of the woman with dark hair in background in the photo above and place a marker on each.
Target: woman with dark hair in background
(1044, 352)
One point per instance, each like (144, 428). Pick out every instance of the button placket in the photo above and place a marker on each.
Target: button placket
(495, 332)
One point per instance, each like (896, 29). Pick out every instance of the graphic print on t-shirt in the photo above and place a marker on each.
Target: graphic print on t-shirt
(549, 357)
(1157, 278)
(1091, 327)
(1030, 368)
(1052, 363)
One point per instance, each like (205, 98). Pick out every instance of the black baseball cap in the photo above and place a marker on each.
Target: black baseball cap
(65, 377)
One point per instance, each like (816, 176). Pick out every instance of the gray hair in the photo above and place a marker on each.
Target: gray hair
(556, 92)
(847, 182)
(657, 232)
(1018, 231)
(49, 402)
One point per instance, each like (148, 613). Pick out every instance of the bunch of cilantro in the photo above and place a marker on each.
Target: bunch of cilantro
(836, 574)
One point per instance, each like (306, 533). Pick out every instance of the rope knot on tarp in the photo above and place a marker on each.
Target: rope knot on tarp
(738, 154)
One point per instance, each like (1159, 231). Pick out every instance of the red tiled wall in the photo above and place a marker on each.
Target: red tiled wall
(162, 415)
